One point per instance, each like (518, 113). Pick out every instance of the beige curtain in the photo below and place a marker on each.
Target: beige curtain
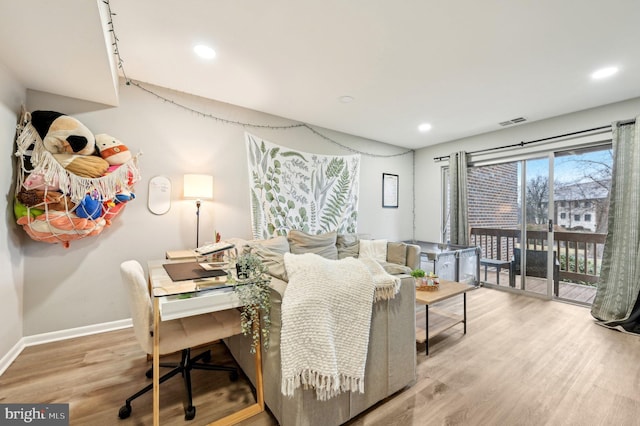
(616, 301)
(458, 204)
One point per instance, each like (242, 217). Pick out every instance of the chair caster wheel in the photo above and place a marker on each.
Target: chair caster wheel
(149, 373)
(125, 411)
(189, 413)
(233, 376)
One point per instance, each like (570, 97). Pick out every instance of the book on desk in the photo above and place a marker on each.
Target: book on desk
(206, 250)
(182, 271)
(181, 255)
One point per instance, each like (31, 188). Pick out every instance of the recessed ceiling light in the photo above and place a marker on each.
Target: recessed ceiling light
(604, 73)
(346, 99)
(424, 127)
(204, 52)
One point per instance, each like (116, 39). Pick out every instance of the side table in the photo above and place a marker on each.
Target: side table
(446, 290)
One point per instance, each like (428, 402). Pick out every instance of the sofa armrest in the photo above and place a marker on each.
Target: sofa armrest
(413, 256)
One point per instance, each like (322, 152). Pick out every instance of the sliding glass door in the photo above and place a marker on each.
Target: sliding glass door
(531, 251)
(508, 206)
(581, 199)
(546, 216)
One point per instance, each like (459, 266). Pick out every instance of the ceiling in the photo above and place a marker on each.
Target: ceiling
(461, 66)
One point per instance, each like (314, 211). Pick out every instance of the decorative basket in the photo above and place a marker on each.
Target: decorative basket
(428, 283)
(433, 287)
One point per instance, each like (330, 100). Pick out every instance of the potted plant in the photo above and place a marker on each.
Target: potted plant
(252, 288)
(419, 275)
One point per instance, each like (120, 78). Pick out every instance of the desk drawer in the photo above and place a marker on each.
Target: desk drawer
(173, 307)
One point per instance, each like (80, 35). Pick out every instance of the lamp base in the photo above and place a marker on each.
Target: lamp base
(198, 203)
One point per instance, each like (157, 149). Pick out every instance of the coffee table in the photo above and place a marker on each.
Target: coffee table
(447, 289)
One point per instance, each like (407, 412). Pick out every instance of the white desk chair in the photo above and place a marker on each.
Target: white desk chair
(176, 335)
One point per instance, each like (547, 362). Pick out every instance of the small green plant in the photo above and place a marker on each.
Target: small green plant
(418, 273)
(252, 288)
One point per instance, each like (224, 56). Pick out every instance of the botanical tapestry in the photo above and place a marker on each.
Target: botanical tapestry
(298, 190)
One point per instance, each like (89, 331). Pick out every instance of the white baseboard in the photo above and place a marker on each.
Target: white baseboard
(54, 336)
(10, 356)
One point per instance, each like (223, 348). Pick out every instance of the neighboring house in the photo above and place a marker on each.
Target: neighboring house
(582, 206)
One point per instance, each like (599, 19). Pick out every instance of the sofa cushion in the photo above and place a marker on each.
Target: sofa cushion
(397, 253)
(394, 268)
(348, 245)
(271, 253)
(376, 249)
(323, 244)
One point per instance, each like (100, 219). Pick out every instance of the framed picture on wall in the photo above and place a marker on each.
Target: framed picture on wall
(389, 190)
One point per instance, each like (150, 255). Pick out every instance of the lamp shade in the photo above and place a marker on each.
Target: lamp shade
(198, 186)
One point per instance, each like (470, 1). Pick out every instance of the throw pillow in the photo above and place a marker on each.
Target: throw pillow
(376, 249)
(271, 252)
(323, 244)
(241, 244)
(348, 245)
(272, 259)
(397, 253)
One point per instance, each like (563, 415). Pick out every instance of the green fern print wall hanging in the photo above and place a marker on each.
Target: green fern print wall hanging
(299, 190)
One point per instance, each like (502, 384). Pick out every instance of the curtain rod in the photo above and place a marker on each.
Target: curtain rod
(523, 143)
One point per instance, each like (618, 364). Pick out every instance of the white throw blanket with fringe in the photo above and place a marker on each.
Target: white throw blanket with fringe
(326, 321)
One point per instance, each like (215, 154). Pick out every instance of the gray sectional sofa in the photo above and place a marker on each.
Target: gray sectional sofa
(391, 356)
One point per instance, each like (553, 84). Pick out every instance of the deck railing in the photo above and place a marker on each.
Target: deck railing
(580, 253)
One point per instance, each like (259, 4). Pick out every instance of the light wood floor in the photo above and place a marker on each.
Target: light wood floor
(523, 361)
(578, 293)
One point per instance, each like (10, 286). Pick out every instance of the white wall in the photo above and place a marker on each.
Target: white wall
(428, 172)
(12, 96)
(78, 286)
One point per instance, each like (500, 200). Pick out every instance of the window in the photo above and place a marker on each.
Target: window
(517, 196)
(587, 218)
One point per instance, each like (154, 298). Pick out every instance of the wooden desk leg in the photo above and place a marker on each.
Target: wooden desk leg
(254, 409)
(156, 361)
(259, 388)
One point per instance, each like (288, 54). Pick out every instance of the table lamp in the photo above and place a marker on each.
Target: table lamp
(199, 187)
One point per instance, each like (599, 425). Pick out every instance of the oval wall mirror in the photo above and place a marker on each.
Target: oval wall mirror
(159, 194)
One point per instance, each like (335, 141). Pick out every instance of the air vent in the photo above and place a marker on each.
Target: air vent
(513, 121)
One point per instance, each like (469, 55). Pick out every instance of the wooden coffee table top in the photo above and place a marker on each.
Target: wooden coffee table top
(447, 289)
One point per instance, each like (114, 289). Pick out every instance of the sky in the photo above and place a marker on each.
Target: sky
(571, 168)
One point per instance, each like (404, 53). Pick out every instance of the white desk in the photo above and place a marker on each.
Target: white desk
(168, 304)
